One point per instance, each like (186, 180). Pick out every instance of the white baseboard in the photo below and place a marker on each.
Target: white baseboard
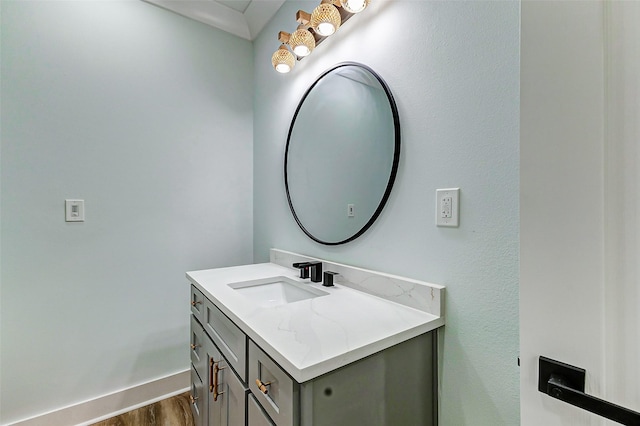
(107, 406)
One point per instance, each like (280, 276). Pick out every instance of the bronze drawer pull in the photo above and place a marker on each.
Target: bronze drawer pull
(216, 369)
(211, 374)
(263, 386)
(196, 302)
(193, 399)
(194, 346)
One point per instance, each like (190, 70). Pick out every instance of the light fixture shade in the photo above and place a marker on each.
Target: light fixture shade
(283, 60)
(302, 42)
(354, 6)
(325, 19)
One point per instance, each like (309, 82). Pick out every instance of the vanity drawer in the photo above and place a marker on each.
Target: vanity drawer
(279, 393)
(256, 417)
(197, 349)
(197, 303)
(198, 396)
(231, 341)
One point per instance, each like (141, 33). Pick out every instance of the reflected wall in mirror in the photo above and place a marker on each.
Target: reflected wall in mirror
(342, 154)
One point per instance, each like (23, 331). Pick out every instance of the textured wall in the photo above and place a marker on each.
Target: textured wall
(454, 70)
(131, 108)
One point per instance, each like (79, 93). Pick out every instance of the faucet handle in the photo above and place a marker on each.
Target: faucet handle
(304, 268)
(328, 278)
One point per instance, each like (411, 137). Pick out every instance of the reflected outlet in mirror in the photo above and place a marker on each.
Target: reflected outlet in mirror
(276, 291)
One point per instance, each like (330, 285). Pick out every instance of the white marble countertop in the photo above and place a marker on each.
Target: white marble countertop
(312, 337)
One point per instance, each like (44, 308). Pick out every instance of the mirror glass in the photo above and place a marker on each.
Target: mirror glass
(342, 154)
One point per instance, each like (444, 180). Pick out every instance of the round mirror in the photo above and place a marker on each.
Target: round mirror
(342, 154)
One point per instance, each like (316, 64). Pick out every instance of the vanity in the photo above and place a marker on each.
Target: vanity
(270, 348)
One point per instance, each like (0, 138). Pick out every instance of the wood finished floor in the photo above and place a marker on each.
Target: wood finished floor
(174, 411)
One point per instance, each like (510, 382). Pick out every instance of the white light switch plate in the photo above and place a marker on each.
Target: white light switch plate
(447, 207)
(74, 210)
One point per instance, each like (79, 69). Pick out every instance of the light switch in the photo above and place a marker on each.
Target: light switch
(447, 207)
(74, 210)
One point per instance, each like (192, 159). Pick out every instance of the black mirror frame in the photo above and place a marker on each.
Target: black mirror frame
(394, 167)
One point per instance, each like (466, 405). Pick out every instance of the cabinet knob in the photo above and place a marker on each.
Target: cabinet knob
(196, 302)
(263, 386)
(193, 399)
(193, 347)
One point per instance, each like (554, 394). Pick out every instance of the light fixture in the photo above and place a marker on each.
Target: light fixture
(325, 19)
(283, 60)
(302, 42)
(312, 29)
(354, 6)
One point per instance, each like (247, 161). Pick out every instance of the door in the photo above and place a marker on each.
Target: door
(227, 395)
(580, 209)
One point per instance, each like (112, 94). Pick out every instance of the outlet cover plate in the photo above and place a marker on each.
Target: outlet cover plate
(448, 207)
(74, 210)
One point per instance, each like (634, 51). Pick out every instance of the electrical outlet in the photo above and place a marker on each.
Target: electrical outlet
(445, 211)
(447, 207)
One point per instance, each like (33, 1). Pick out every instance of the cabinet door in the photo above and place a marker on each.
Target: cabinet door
(227, 395)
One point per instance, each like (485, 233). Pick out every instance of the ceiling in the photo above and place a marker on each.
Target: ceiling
(243, 18)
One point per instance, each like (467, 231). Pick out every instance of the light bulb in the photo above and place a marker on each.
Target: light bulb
(326, 28)
(283, 60)
(302, 42)
(301, 50)
(325, 19)
(283, 68)
(354, 6)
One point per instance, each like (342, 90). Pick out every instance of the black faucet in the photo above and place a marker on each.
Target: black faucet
(311, 270)
(316, 271)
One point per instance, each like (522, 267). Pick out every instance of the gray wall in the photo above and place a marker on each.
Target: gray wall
(148, 117)
(121, 104)
(454, 70)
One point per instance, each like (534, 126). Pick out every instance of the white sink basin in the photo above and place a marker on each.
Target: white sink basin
(276, 291)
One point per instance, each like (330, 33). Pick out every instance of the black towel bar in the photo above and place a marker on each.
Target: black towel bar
(566, 383)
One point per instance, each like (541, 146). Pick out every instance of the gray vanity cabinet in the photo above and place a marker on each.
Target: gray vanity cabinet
(235, 383)
(218, 395)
